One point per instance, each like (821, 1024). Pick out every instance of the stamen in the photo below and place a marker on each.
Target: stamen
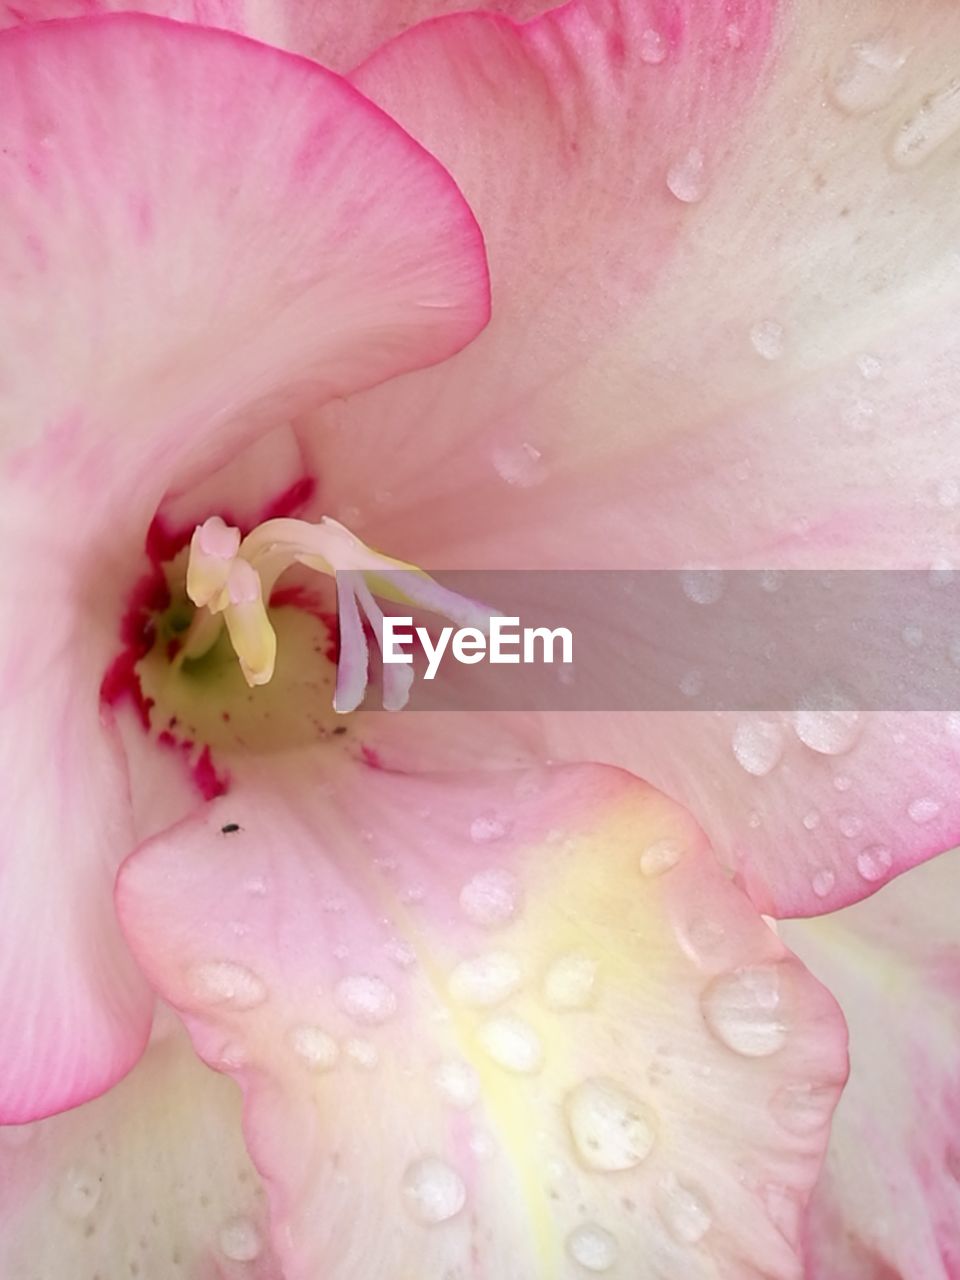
(213, 549)
(234, 578)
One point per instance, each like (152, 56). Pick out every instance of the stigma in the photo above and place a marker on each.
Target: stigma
(230, 580)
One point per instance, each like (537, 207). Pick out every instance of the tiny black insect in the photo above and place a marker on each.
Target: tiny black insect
(229, 828)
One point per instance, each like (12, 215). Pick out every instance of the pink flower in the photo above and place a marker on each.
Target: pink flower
(490, 1015)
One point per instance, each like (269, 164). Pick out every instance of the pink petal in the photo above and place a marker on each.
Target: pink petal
(630, 405)
(151, 1180)
(164, 296)
(336, 33)
(888, 1202)
(504, 1022)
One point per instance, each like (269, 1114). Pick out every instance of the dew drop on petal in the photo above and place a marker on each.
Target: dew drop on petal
(923, 810)
(512, 1043)
(811, 820)
(703, 586)
(660, 856)
(874, 862)
(78, 1192)
(867, 78)
(766, 338)
(240, 1240)
(486, 828)
(758, 746)
(850, 824)
(593, 1247)
(570, 981)
(684, 1210)
(741, 1009)
(934, 122)
(221, 982)
(365, 998)
(823, 882)
(520, 465)
(486, 980)
(458, 1081)
(491, 898)
(828, 722)
(314, 1047)
(433, 1191)
(686, 177)
(611, 1129)
(653, 47)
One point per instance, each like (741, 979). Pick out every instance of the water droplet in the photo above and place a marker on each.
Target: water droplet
(458, 1082)
(240, 1240)
(874, 862)
(823, 882)
(221, 982)
(611, 1129)
(486, 828)
(935, 121)
(766, 338)
(871, 367)
(593, 1247)
(315, 1047)
(684, 1210)
(256, 886)
(491, 898)
(802, 1109)
(923, 810)
(912, 636)
(758, 746)
(692, 682)
(661, 856)
(365, 998)
(433, 1191)
(741, 1010)
(512, 1043)
(811, 820)
(78, 1193)
(686, 178)
(569, 982)
(362, 1054)
(703, 586)
(653, 47)
(850, 825)
(842, 782)
(520, 465)
(827, 721)
(867, 78)
(400, 952)
(486, 980)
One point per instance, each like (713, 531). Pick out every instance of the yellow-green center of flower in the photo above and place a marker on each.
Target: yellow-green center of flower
(230, 580)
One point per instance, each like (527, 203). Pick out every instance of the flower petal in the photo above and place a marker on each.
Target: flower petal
(888, 1202)
(760, 378)
(184, 293)
(151, 1180)
(336, 34)
(510, 1020)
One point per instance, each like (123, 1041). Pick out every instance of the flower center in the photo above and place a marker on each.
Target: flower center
(231, 579)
